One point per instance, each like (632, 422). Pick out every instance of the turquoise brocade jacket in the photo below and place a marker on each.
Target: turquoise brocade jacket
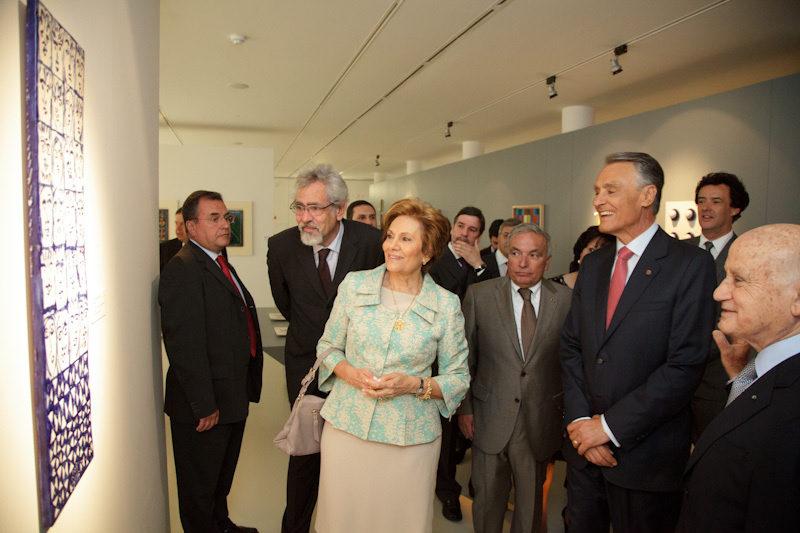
(361, 330)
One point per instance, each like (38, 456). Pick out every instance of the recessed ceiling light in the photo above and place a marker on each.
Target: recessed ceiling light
(236, 38)
(238, 143)
(238, 85)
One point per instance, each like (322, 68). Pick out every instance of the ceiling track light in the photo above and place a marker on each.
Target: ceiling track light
(378, 160)
(236, 38)
(447, 129)
(616, 68)
(551, 87)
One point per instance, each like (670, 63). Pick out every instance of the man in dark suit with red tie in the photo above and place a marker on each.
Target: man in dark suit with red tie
(306, 264)
(632, 353)
(210, 329)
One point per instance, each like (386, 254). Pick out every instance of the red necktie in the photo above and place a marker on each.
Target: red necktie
(251, 327)
(617, 282)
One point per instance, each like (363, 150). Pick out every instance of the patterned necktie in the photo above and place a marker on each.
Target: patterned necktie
(325, 272)
(708, 245)
(528, 321)
(617, 282)
(251, 326)
(745, 378)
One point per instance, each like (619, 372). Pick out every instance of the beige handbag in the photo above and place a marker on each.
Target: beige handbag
(302, 431)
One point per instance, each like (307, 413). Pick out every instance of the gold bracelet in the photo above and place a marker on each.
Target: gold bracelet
(428, 388)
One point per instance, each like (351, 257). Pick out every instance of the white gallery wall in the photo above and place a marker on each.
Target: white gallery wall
(124, 487)
(240, 175)
(753, 132)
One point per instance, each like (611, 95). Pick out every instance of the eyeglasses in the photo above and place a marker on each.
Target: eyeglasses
(313, 210)
(230, 218)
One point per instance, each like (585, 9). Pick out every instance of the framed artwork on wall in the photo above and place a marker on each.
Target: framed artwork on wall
(529, 214)
(163, 223)
(56, 216)
(241, 228)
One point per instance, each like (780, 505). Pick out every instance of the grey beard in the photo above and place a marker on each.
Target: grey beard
(310, 239)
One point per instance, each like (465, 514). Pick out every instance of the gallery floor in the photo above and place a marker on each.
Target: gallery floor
(257, 498)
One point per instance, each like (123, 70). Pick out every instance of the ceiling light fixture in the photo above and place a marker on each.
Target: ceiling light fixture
(238, 85)
(378, 160)
(551, 87)
(236, 38)
(616, 68)
(447, 129)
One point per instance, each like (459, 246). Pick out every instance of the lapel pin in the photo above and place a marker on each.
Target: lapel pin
(648, 272)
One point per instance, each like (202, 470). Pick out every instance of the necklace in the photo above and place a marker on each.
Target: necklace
(399, 323)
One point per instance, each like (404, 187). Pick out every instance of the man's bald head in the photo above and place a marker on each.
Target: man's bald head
(760, 295)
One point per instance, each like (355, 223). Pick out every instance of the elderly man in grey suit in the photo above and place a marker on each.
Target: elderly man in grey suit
(513, 412)
(721, 199)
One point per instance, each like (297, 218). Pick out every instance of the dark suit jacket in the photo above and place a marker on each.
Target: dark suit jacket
(298, 292)
(711, 395)
(492, 268)
(448, 273)
(204, 325)
(166, 250)
(502, 382)
(642, 371)
(744, 473)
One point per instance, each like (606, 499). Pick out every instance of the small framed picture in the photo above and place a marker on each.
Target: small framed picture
(241, 228)
(529, 214)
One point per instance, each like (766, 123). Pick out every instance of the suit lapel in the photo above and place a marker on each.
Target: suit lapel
(305, 258)
(719, 263)
(646, 270)
(215, 270)
(347, 254)
(603, 281)
(505, 311)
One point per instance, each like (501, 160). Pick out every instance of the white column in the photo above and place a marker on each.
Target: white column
(413, 166)
(575, 117)
(471, 149)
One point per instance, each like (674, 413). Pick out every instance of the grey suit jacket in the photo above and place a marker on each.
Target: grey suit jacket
(503, 383)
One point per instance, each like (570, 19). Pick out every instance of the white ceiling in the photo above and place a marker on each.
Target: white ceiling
(341, 81)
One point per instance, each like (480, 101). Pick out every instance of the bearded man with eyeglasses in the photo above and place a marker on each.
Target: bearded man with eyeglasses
(211, 334)
(306, 263)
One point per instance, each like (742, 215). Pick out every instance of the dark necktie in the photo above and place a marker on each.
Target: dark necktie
(462, 262)
(709, 246)
(745, 378)
(528, 321)
(251, 326)
(325, 272)
(618, 280)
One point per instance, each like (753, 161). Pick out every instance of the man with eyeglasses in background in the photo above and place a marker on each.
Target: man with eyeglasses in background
(211, 334)
(306, 263)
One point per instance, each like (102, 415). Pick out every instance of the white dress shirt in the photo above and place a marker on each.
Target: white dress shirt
(718, 243)
(502, 262)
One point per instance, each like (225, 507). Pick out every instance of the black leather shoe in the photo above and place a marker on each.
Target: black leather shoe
(451, 509)
(226, 526)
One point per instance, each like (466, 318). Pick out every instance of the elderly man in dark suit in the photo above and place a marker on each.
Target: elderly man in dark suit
(513, 412)
(459, 266)
(744, 472)
(633, 350)
(721, 199)
(306, 264)
(210, 328)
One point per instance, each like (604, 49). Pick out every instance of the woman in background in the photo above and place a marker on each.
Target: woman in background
(589, 241)
(380, 444)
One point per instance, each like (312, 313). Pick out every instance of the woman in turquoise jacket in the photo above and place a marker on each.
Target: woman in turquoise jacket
(388, 326)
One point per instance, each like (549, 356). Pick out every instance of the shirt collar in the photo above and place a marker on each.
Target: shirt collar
(638, 245)
(450, 245)
(212, 255)
(336, 243)
(501, 259)
(719, 243)
(776, 353)
(534, 289)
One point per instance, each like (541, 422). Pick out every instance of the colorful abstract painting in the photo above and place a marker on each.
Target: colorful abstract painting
(54, 97)
(529, 214)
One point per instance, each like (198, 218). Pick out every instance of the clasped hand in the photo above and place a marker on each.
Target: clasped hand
(383, 387)
(589, 438)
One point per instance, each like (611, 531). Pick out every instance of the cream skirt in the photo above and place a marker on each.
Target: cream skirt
(369, 487)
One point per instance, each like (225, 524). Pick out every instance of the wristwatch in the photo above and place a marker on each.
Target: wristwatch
(421, 388)
(481, 268)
